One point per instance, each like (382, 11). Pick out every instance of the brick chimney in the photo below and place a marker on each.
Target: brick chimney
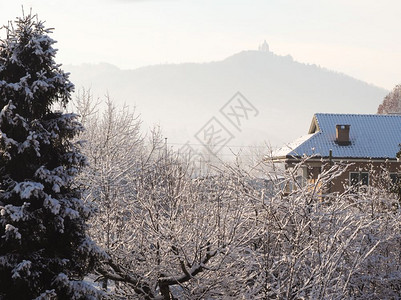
(342, 135)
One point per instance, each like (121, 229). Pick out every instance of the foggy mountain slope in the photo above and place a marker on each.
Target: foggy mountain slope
(183, 97)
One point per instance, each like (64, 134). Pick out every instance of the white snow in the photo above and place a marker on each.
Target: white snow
(23, 267)
(52, 204)
(27, 189)
(71, 213)
(15, 213)
(58, 177)
(290, 147)
(11, 232)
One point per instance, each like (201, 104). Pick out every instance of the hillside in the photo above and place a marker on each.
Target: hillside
(183, 97)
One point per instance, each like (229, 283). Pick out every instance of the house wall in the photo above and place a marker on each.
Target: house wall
(376, 170)
(377, 173)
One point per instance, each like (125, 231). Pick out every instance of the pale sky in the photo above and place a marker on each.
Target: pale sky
(357, 37)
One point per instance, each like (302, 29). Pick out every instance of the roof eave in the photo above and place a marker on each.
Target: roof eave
(315, 158)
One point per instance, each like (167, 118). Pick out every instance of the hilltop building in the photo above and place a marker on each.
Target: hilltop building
(264, 47)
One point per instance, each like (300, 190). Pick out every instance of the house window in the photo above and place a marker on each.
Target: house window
(359, 178)
(291, 186)
(394, 179)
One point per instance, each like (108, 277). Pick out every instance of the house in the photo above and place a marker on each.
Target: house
(369, 143)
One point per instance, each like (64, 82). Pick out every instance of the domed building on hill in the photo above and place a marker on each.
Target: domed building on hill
(264, 47)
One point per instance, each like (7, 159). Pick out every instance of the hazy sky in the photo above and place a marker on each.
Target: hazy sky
(356, 37)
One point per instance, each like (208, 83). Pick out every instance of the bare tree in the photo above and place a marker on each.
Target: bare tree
(111, 142)
(339, 246)
(169, 233)
(392, 102)
(175, 233)
(184, 233)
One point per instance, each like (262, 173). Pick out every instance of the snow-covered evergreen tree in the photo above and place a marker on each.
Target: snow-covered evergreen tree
(44, 250)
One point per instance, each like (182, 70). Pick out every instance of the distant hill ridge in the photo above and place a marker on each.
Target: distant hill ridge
(183, 97)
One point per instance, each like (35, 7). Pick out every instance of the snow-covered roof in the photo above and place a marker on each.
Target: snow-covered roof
(288, 148)
(371, 136)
